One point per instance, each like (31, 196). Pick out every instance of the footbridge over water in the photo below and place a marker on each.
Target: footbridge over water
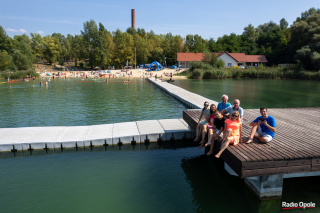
(294, 151)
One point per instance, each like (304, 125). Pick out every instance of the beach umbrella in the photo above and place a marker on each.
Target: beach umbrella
(108, 71)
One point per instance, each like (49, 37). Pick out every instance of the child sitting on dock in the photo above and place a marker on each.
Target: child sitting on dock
(218, 128)
(232, 132)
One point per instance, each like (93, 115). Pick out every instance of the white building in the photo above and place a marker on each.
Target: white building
(241, 59)
(230, 59)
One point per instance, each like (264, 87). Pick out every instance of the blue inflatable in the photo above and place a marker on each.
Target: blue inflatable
(155, 66)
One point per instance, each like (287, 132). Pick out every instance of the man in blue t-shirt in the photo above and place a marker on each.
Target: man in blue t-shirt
(224, 104)
(264, 125)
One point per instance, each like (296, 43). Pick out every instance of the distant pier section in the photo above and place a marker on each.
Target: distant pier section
(190, 99)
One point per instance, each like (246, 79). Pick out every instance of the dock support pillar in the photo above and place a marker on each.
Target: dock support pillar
(266, 187)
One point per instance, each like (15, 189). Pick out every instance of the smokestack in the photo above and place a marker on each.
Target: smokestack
(133, 19)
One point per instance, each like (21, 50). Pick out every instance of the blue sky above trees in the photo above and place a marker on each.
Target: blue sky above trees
(210, 19)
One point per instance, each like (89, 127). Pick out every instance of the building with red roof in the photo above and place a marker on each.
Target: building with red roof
(241, 59)
(230, 59)
(184, 59)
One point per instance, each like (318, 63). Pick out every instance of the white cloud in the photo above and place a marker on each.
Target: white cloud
(12, 30)
(40, 32)
(16, 31)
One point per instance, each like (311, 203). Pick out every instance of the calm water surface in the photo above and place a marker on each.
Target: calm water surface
(77, 102)
(141, 180)
(254, 93)
(155, 180)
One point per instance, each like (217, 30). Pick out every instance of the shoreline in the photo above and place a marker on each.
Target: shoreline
(132, 73)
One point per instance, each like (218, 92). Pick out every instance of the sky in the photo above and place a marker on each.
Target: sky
(207, 18)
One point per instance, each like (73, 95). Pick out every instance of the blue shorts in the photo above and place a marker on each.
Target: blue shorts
(204, 122)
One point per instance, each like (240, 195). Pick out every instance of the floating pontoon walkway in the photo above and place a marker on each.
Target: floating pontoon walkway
(192, 100)
(294, 151)
(56, 137)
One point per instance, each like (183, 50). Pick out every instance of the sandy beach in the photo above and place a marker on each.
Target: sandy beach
(134, 73)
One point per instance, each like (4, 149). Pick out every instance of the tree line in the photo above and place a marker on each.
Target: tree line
(96, 46)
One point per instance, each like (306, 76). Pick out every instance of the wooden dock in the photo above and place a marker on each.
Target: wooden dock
(294, 149)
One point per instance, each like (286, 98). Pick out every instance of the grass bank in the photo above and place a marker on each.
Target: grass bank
(201, 70)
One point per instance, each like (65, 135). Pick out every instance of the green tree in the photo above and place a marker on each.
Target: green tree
(142, 49)
(195, 43)
(249, 39)
(106, 47)
(90, 36)
(6, 43)
(119, 46)
(283, 24)
(22, 55)
(229, 43)
(5, 60)
(305, 40)
(306, 14)
(77, 48)
(50, 49)
(37, 46)
(272, 42)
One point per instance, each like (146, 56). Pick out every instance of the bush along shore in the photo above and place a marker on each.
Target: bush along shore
(19, 74)
(205, 71)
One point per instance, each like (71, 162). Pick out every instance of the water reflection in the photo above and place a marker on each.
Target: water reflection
(214, 190)
(254, 93)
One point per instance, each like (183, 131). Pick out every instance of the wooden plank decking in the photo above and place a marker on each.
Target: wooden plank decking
(294, 149)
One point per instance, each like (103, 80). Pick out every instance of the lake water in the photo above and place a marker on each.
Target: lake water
(77, 102)
(255, 93)
(172, 178)
(154, 180)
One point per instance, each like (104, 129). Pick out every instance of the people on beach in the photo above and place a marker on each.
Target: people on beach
(205, 112)
(217, 130)
(236, 107)
(232, 132)
(224, 104)
(208, 126)
(264, 126)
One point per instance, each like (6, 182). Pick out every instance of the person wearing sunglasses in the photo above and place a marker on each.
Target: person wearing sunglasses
(205, 112)
(208, 126)
(264, 126)
(232, 132)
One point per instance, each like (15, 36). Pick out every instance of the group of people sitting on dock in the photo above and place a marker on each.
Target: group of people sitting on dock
(223, 123)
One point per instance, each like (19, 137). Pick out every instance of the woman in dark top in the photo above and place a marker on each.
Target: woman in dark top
(217, 130)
